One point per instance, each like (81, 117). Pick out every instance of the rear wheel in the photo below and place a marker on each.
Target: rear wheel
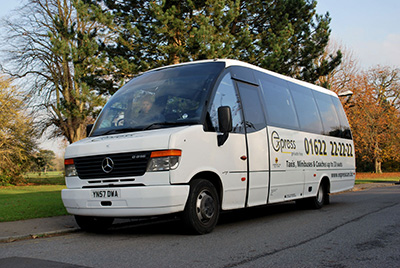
(321, 198)
(202, 208)
(94, 224)
(316, 202)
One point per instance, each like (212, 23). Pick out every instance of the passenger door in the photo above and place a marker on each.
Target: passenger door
(257, 144)
(231, 155)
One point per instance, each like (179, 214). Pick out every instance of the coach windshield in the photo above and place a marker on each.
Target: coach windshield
(161, 98)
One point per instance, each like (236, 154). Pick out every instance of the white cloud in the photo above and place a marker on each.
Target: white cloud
(391, 49)
(384, 52)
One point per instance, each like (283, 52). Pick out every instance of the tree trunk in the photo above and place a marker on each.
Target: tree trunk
(378, 158)
(378, 166)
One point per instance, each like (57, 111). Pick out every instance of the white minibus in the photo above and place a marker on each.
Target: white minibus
(198, 138)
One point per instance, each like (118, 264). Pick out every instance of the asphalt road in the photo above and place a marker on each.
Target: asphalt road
(358, 229)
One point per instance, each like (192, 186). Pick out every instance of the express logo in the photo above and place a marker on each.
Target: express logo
(282, 144)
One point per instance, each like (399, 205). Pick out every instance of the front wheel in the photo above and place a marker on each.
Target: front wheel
(94, 224)
(202, 208)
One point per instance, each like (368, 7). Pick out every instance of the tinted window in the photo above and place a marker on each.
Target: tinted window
(253, 112)
(226, 96)
(346, 132)
(278, 102)
(306, 108)
(242, 74)
(330, 120)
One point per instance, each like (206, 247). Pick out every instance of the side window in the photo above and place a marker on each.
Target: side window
(346, 133)
(330, 120)
(226, 96)
(253, 112)
(306, 108)
(278, 102)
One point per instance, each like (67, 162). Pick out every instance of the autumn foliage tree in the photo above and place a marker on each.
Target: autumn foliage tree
(372, 110)
(375, 117)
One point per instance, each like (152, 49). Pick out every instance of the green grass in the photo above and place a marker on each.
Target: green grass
(28, 202)
(48, 178)
(377, 178)
(383, 180)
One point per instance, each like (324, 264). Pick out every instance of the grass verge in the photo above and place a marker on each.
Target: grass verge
(29, 202)
(377, 178)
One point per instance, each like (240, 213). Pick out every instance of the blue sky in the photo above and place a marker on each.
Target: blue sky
(369, 28)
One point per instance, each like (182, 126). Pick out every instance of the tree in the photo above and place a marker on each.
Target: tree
(340, 77)
(17, 135)
(375, 118)
(44, 160)
(52, 44)
(285, 36)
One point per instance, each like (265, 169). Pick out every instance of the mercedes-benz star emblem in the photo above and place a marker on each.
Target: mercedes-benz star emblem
(107, 165)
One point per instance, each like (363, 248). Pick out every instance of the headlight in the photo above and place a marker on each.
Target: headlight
(70, 169)
(164, 160)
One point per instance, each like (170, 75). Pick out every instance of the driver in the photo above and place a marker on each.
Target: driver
(147, 113)
(147, 103)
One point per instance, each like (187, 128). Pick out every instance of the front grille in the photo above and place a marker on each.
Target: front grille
(125, 165)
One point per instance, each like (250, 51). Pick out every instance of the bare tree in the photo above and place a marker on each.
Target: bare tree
(52, 45)
(386, 83)
(338, 79)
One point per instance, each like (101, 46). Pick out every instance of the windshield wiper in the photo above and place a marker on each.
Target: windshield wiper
(119, 130)
(160, 124)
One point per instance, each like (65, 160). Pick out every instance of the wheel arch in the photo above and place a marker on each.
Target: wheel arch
(326, 182)
(214, 179)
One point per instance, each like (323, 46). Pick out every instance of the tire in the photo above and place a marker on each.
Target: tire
(320, 199)
(202, 207)
(94, 224)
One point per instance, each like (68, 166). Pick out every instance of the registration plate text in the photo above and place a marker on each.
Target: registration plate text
(106, 194)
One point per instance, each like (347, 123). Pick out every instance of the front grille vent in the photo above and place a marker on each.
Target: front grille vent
(121, 165)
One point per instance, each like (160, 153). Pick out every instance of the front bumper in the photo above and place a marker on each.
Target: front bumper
(133, 201)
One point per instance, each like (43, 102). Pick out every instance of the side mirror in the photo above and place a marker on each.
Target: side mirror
(225, 123)
(88, 129)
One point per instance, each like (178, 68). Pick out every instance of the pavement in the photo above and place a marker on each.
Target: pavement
(36, 228)
(45, 227)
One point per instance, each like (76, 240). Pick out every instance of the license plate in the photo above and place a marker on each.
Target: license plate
(105, 194)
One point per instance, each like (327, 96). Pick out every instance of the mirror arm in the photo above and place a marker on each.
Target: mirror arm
(222, 138)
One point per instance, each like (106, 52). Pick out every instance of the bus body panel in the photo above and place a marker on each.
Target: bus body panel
(287, 181)
(258, 159)
(118, 143)
(299, 161)
(200, 153)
